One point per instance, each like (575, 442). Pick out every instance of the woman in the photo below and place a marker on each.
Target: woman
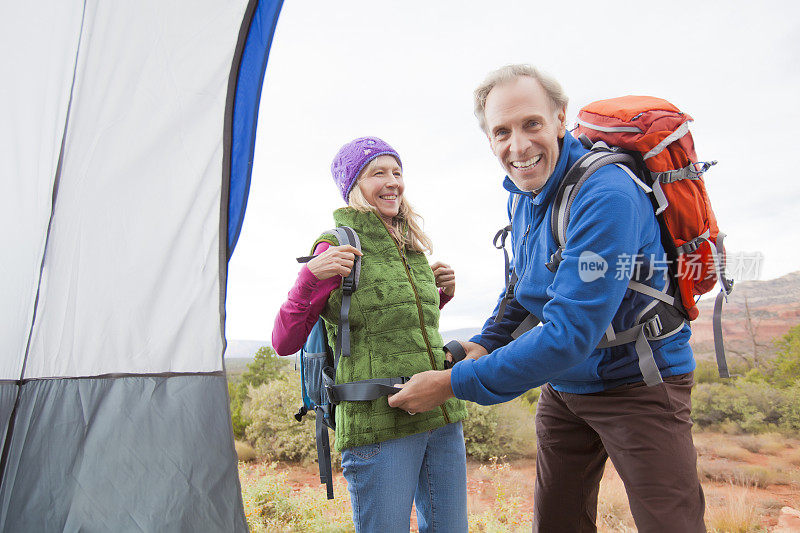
(389, 457)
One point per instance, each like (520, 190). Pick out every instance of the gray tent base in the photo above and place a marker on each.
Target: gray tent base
(170, 474)
(8, 393)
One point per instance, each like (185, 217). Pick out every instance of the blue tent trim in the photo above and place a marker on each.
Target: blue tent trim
(249, 81)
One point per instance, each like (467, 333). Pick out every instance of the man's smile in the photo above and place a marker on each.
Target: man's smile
(530, 163)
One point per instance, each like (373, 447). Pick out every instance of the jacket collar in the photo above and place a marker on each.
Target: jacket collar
(565, 159)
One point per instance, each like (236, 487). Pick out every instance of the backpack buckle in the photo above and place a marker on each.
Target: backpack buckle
(333, 396)
(653, 327)
(348, 284)
(555, 260)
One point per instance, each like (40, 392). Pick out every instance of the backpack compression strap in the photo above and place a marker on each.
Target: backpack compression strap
(324, 453)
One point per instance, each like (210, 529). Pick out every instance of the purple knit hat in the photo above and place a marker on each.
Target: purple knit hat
(353, 157)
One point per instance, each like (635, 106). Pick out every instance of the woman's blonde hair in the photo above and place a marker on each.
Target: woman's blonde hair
(407, 224)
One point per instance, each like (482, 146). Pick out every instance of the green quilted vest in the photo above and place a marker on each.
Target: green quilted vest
(394, 322)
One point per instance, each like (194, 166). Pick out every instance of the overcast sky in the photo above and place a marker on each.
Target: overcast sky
(405, 71)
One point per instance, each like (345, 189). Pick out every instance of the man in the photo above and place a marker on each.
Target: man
(594, 403)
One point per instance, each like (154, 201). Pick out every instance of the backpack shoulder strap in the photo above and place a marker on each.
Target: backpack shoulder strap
(571, 185)
(510, 276)
(342, 235)
(346, 236)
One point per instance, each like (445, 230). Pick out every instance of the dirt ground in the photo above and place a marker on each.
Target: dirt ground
(774, 481)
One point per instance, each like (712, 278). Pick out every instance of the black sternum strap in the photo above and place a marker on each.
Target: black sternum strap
(363, 390)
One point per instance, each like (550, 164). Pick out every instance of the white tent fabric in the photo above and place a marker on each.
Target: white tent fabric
(135, 230)
(38, 43)
(113, 148)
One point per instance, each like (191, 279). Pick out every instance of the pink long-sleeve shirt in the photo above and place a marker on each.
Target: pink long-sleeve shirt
(302, 308)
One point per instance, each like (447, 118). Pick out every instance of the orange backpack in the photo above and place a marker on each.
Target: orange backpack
(654, 135)
(659, 132)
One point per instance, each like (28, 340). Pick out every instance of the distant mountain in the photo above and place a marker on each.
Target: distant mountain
(461, 334)
(774, 309)
(243, 348)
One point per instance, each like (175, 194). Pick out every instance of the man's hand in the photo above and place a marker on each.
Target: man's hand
(474, 350)
(423, 392)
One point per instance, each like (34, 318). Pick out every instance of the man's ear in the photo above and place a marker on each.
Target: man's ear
(561, 116)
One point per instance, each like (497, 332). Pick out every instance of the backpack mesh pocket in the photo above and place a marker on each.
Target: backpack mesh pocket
(313, 364)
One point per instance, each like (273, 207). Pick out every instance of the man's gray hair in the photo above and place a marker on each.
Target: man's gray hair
(509, 73)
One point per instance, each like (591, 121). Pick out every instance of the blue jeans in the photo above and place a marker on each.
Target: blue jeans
(428, 468)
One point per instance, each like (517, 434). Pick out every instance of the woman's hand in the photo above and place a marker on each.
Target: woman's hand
(335, 261)
(445, 277)
(472, 349)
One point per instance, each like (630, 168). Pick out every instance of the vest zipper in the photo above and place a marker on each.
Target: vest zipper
(419, 311)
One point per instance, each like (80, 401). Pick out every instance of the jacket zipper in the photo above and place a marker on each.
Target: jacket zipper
(524, 246)
(419, 312)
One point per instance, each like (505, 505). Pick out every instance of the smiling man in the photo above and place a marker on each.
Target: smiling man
(594, 402)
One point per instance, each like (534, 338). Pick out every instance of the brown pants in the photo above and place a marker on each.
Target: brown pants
(646, 431)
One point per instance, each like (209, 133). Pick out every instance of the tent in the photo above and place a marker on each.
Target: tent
(126, 149)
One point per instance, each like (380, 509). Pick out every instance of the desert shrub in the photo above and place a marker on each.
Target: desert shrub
(509, 513)
(785, 368)
(237, 394)
(733, 452)
(715, 403)
(244, 451)
(790, 408)
(271, 504)
(755, 476)
(736, 514)
(613, 511)
(480, 432)
(752, 407)
(266, 366)
(706, 372)
(768, 443)
(794, 457)
(725, 471)
(531, 397)
(751, 443)
(505, 429)
(273, 430)
(718, 471)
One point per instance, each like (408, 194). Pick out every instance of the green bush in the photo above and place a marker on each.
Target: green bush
(784, 369)
(766, 398)
(237, 392)
(506, 429)
(480, 432)
(751, 406)
(273, 430)
(272, 504)
(266, 366)
(532, 398)
(706, 372)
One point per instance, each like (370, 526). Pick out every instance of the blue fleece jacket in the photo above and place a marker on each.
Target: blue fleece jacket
(612, 218)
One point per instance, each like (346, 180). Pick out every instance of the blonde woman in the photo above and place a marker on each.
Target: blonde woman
(390, 457)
